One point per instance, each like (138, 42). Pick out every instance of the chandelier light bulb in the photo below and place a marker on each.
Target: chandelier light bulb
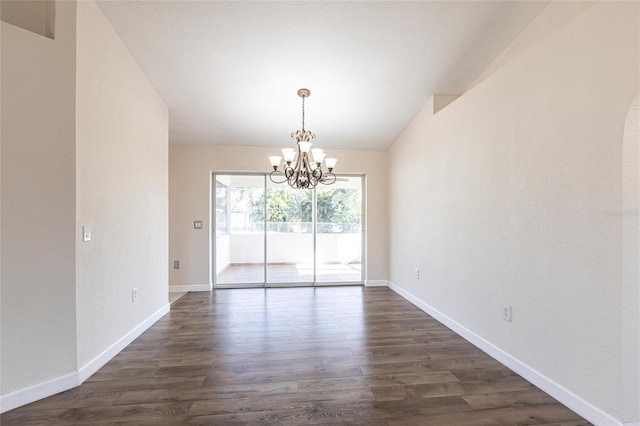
(275, 161)
(304, 146)
(331, 163)
(288, 154)
(318, 157)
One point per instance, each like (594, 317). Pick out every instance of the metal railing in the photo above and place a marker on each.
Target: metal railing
(296, 228)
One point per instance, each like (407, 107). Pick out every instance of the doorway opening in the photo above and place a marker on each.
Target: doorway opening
(272, 235)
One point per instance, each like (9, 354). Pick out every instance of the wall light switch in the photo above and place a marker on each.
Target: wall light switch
(197, 224)
(86, 233)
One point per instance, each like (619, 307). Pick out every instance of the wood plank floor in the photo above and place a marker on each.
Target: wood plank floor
(332, 355)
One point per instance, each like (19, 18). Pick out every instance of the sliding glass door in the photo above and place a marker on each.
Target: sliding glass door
(238, 237)
(269, 234)
(289, 235)
(339, 231)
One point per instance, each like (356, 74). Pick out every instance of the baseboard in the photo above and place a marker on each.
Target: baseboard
(98, 362)
(189, 287)
(562, 394)
(376, 283)
(38, 391)
(631, 424)
(60, 384)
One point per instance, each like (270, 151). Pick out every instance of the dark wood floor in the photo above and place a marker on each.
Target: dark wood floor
(338, 355)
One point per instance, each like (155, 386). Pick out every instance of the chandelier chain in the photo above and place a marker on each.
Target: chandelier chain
(303, 113)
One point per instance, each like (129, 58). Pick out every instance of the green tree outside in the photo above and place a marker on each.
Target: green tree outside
(339, 210)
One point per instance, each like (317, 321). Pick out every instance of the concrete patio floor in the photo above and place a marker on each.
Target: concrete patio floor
(290, 273)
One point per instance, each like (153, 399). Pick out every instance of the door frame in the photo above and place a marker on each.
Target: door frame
(265, 283)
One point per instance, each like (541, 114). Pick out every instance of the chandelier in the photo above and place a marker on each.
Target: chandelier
(300, 170)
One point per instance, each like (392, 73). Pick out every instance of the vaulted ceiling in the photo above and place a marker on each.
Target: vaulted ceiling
(229, 71)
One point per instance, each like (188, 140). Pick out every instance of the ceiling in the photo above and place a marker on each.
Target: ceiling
(229, 71)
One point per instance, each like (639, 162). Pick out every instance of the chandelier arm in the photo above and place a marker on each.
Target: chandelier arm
(300, 159)
(291, 180)
(294, 179)
(328, 178)
(317, 173)
(307, 167)
(288, 171)
(311, 173)
(277, 173)
(295, 175)
(310, 181)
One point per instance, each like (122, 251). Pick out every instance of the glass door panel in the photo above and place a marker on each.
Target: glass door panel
(239, 236)
(289, 235)
(271, 234)
(339, 231)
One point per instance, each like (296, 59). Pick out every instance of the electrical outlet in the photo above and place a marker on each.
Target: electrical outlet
(176, 264)
(134, 294)
(506, 313)
(417, 273)
(197, 224)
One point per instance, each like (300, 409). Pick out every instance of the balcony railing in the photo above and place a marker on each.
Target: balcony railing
(296, 227)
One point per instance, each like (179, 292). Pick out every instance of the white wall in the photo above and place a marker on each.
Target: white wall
(122, 184)
(512, 185)
(190, 169)
(38, 203)
(630, 295)
(37, 16)
(84, 141)
(0, 201)
(555, 16)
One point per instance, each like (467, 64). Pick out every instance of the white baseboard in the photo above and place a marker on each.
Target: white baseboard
(562, 394)
(189, 287)
(98, 362)
(376, 283)
(60, 384)
(38, 391)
